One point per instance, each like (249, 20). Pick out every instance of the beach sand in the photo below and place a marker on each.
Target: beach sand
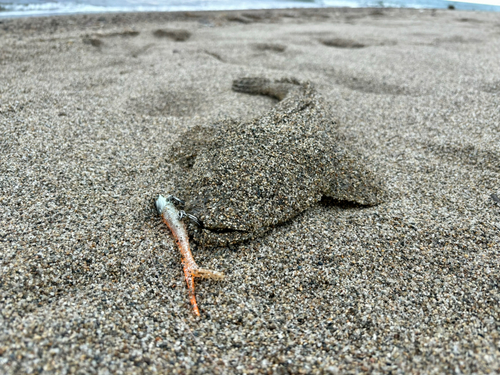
(91, 280)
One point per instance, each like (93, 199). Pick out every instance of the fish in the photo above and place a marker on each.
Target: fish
(243, 178)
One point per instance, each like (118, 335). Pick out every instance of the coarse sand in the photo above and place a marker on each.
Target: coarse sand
(90, 278)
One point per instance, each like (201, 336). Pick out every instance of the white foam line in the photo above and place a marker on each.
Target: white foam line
(55, 8)
(479, 2)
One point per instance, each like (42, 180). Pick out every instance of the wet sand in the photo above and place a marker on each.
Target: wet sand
(91, 280)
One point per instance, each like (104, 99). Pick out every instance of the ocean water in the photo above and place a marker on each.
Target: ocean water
(26, 8)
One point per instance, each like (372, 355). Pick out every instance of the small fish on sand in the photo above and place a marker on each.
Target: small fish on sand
(241, 179)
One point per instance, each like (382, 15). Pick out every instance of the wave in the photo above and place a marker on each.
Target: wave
(25, 8)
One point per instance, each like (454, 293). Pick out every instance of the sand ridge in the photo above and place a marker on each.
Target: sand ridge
(90, 280)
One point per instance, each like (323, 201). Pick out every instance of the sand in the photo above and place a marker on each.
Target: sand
(91, 280)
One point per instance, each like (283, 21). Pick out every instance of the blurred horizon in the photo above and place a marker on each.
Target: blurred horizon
(27, 8)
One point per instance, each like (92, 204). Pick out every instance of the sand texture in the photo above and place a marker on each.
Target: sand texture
(91, 108)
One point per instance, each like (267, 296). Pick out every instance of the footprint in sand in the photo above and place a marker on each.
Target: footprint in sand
(239, 18)
(179, 35)
(342, 43)
(469, 155)
(123, 34)
(94, 42)
(95, 39)
(370, 86)
(182, 103)
(269, 47)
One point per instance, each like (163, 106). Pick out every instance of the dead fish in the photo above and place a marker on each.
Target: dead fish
(243, 178)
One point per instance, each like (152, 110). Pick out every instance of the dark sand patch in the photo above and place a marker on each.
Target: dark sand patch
(342, 43)
(114, 34)
(258, 16)
(455, 39)
(467, 155)
(377, 12)
(174, 34)
(370, 85)
(491, 87)
(178, 103)
(239, 18)
(274, 47)
(94, 42)
(470, 20)
(215, 55)
(138, 51)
